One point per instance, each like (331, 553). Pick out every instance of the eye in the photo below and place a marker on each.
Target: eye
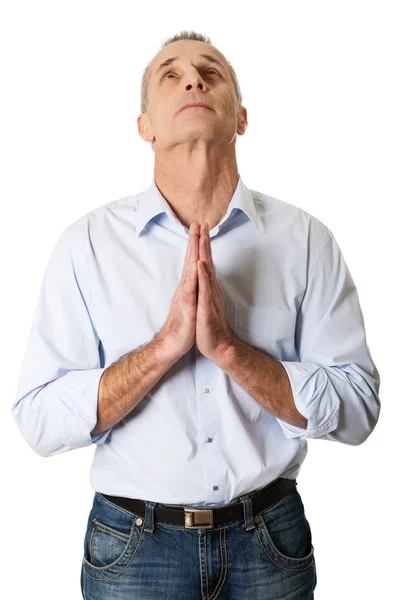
(208, 71)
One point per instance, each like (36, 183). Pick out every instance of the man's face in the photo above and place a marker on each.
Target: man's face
(191, 77)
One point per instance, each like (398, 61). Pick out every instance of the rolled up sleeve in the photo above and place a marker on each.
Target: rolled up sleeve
(55, 407)
(335, 383)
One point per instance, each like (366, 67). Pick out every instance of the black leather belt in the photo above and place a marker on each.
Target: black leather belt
(195, 518)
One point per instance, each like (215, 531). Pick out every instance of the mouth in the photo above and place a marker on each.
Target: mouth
(196, 105)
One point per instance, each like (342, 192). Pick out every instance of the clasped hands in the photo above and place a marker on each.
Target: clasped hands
(214, 338)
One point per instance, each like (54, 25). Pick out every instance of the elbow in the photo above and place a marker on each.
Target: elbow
(368, 416)
(356, 424)
(46, 447)
(43, 447)
(43, 440)
(369, 423)
(42, 450)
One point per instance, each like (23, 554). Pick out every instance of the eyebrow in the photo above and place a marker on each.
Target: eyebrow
(208, 57)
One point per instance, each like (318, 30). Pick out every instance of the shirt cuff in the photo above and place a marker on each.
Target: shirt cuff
(80, 395)
(314, 397)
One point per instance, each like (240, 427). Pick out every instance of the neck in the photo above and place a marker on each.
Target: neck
(198, 188)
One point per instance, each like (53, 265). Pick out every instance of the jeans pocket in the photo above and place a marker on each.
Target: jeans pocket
(111, 541)
(285, 535)
(106, 545)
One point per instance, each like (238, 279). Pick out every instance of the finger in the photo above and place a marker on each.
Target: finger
(194, 241)
(204, 281)
(205, 250)
(192, 251)
(190, 276)
(208, 245)
(209, 253)
(190, 281)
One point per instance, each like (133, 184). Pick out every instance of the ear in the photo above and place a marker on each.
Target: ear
(144, 128)
(242, 121)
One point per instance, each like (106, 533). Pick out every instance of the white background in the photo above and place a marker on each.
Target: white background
(320, 81)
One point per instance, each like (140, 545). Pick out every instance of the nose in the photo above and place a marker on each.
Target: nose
(199, 85)
(194, 80)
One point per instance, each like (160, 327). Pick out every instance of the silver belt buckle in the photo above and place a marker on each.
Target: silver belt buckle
(198, 518)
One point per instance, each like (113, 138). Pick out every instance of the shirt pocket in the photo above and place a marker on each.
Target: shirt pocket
(272, 330)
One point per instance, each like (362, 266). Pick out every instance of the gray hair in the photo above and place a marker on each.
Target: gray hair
(183, 35)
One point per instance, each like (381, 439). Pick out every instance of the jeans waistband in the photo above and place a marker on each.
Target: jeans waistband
(199, 518)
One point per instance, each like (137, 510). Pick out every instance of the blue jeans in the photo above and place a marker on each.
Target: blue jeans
(264, 556)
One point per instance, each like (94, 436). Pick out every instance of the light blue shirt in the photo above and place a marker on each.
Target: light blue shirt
(197, 437)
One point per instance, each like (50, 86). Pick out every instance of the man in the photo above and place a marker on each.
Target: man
(198, 333)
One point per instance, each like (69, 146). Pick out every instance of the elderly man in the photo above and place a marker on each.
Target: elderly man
(198, 333)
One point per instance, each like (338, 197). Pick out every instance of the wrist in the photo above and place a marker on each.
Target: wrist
(165, 352)
(226, 352)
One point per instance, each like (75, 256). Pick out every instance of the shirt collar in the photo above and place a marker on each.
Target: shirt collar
(152, 203)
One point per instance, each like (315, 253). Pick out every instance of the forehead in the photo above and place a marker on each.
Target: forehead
(185, 49)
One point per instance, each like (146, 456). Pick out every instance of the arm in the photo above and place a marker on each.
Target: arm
(124, 383)
(56, 405)
(264, 379)
(335, 384)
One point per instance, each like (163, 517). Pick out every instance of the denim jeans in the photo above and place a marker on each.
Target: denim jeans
(263, 556)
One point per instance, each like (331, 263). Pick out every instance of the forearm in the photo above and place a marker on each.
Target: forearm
(124, 383)
(263, 378)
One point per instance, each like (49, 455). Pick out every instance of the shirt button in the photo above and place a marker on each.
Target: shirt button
(215, 487)
(206, 390)
(209, 439)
